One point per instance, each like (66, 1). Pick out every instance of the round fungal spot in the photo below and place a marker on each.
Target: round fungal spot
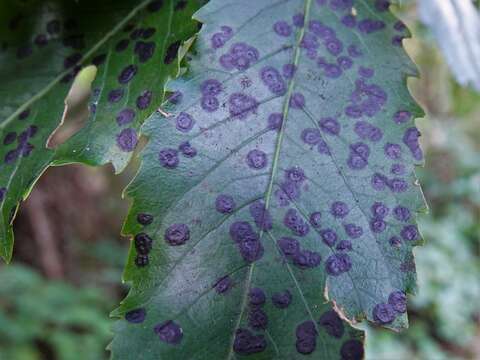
(275, 121)
(395, 241)
(398, 169)
(337, 264)
(241, 230)
(409, 233)
(250, 248)
(175, 97)
(295, 174)
(127, 140)
(329, 125)
(184, 122)
(40, 40)
(344, 245)
(399, 26)
(410, 138)
(295, 223)
(211, 87)
(306, 346)
(306, 259)
(11, 156)
(353, 231)
(122, 45)
(288, 246)
(256, 297)
(402, 116)
(397, 185)
(225, 204)
(349, 21)
(332, 324)
(127, 74)
(177, 234)
(393, 151)
(297, 101)
(369, 26)
(298, 20)
(352, 350)
(144, 50)
(245, 343)
(169, 332)
(144, 100)
(223, 284)
(329, 236)
(9, 138)
(260, 215)
(323, 148)
(366, 72)
(379, 182)
(148, 32)
(99, 59)
(171, 53)
(398, 301)
(143, 243)
(401, 213)
(155, 5)
(377, 225)
(282, 299)
(339, 209)
(282, 28)
(227, 61)
(125, 116)
(315, 219)
(256, 159)
(332, 71)
(24, 114)
(257, 319)
(306, 334)
(311, 136)
(187, 150)
(136, 316)
(367, 131)
(168, 158)
(334, 46)
(241, 105)
(383, 313)
(141, 260)
(71, 60)
(209, 103)
(115, 95)
(144, 219)
(379, 210)
(288, 71)
(344, 62)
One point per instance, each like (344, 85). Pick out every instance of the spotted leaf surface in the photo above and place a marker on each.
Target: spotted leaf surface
(284, 169)
(43, 46)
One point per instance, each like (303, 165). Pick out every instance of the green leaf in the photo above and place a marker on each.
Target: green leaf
(230, 198)
(44, 46)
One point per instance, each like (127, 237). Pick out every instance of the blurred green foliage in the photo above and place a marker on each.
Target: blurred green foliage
(42, 319)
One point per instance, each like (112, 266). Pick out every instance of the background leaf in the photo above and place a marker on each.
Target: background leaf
(233, 185)
(44, 47)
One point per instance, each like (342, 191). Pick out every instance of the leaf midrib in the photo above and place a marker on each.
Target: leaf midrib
(268, 194)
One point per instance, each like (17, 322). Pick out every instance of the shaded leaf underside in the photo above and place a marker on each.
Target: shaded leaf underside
(46, 43)
(317, 206)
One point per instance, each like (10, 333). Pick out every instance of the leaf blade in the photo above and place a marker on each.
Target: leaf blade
(211, 156)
